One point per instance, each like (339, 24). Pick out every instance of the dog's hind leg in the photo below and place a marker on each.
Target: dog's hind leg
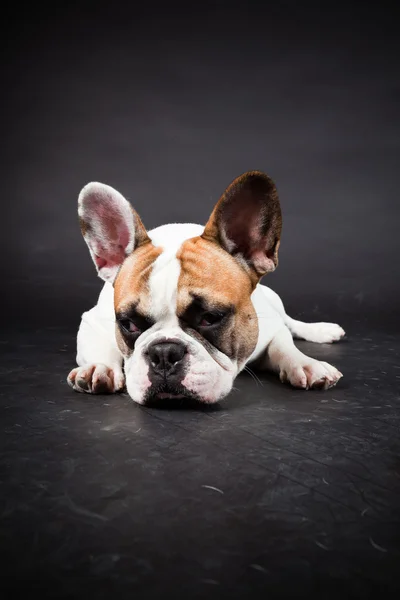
(320, 333)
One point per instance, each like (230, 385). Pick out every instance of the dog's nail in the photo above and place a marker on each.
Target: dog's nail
(102, 386)
(83, 384)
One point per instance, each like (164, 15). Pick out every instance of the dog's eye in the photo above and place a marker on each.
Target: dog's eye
(129, 326)
(210, 318)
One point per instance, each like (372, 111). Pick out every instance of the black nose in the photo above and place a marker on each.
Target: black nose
(166, 356)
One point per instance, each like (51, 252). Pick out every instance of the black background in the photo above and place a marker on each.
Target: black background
(168, 103)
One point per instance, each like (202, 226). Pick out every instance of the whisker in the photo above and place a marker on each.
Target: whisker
(253, 375)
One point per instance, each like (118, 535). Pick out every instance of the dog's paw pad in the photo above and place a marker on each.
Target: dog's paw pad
(96, 379)
(313, 374)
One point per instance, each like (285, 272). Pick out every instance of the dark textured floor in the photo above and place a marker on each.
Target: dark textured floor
(274, 493)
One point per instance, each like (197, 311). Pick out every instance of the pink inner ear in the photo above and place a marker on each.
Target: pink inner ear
(108, 225)
(111, 255)
(262, 262)
(254, 230)
(100, 262)
(110, 235)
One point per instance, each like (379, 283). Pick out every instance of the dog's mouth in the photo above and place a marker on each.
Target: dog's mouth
(156, 395)
(167, 396)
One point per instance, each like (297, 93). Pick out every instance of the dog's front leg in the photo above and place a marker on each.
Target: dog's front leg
(294, 367)
(98, 356)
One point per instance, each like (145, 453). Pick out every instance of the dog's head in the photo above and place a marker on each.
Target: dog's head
(185, 323)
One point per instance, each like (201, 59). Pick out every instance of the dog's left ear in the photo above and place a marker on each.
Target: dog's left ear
(247, 222)
(111, 228)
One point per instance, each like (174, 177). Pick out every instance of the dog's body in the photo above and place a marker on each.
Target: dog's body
(182, 311)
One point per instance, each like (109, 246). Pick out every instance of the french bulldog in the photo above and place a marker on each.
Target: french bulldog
(182, 311)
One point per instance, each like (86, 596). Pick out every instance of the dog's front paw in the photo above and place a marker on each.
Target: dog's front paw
(96, 379)
(312, 374)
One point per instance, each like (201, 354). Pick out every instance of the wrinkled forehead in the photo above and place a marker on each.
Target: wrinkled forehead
(161, 283)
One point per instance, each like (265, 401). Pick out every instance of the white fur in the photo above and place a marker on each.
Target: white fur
(295, 367)
(210, 378)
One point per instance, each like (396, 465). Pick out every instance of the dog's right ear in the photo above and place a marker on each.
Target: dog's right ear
(111, 228)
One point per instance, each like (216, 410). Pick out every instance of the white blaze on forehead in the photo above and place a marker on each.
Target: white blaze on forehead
(166, 269)
(163, 285)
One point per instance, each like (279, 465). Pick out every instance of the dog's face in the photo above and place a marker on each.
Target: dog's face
(185, 323)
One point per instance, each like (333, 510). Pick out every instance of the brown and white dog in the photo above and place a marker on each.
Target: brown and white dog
(182, 311)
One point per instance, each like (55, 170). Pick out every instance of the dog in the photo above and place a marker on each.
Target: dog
(182, 311)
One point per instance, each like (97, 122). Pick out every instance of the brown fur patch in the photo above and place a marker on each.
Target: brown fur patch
(132, 283)
(125, 349)
(141, 236)
(210, 272)
(84, 226)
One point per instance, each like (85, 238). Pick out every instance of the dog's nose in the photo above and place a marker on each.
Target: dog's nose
(166, 356)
